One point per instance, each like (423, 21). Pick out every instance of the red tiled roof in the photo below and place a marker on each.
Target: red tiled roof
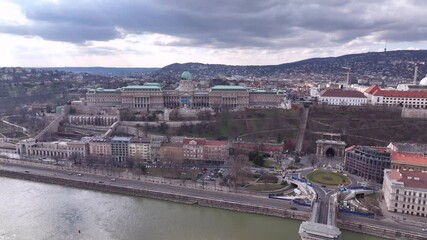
(341, 93)
(376, 91)
(412, 179)
(215, 143)
(350, 148)
(402, 94)
(199, 141)
(372, 89)
(418, 159)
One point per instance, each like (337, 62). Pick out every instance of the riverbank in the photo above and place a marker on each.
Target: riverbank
(355, 226)
(160, 195)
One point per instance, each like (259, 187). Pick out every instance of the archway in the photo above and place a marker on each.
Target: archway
(330, 152)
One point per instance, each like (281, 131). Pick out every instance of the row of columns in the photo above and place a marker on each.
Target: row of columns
(92, 120)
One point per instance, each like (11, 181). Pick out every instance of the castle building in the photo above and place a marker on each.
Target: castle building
(407, 99)
(342, 97)
(151, 96)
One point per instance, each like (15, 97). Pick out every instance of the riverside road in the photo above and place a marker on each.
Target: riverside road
(256, 200)
(224, 195)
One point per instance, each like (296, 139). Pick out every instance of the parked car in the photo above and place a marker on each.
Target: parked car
(79, 175)
(113, 179)
(26, 171)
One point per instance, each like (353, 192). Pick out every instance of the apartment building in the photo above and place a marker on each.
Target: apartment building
(367, 162)
(405, 191)
(200, 149)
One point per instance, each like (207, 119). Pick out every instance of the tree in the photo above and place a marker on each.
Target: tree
(163, 128)
(313, 160)
(239, 169)
(257, 158)
(72, 111)
(174, 115)
(204, 115)
(279, 137)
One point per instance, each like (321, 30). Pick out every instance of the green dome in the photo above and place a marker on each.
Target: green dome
(186, 75)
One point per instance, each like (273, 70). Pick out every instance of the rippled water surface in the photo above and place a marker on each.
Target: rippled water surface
(30, 210)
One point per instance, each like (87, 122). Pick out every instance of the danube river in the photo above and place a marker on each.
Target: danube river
(30, 210)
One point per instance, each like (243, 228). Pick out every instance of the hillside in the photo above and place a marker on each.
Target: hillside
(110, 71)
(374, 125)
(377, 65)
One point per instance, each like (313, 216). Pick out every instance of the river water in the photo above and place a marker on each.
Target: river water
(30, 210)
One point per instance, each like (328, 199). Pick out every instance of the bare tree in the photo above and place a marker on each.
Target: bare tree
(313, 160)
(239, 169)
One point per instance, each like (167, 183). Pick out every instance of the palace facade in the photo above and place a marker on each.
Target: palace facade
(151, 96)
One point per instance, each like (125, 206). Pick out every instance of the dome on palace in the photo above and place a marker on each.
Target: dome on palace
(186, 75)
(423, 81)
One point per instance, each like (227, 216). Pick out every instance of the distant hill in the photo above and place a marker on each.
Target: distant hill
(107, 70)
(372, 65)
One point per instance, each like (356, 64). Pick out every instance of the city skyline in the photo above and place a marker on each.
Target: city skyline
(55, 33)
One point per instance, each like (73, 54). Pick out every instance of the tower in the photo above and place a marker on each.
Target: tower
(348, 74)
(417, 64)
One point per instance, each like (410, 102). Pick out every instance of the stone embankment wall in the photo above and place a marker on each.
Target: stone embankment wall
(379, 231)
(216, 203)
(414, 113)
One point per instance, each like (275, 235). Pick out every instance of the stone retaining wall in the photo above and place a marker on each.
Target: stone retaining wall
(216, 203)
(361, 227)
(379, 231)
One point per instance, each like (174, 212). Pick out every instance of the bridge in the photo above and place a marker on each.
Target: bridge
(322, 223)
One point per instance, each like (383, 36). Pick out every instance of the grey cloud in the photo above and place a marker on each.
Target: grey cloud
(222, 23)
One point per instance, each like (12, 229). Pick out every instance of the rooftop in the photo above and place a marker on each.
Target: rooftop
(408, 147)
(172, 144)
(262, 91)
(342, 93)
(103, 90)
(411, 179)
(227, 87)
(216, 143)
(199, 141)
(377, 91)
(121, 139)
(419, 159)
(143, 87)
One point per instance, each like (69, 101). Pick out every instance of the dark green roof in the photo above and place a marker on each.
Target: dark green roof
(228, 88)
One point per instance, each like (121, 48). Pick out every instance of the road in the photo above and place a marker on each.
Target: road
(386, 223)
(24, 130)
(255, 200)
(301, 130)
(324, 194)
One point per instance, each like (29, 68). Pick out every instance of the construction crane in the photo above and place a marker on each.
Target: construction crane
(348, 74)
(417, 65)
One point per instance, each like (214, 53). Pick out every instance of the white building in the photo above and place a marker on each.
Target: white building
(405, 191)
(342, 97)
(409, 99)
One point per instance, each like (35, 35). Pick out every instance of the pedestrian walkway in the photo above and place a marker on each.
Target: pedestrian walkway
(130, 176)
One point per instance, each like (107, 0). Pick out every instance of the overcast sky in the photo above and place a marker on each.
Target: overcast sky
(155, 33)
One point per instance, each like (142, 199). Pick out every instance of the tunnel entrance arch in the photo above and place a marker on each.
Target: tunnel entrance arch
(330, 152)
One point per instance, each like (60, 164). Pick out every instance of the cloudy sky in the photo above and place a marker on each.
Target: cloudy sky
(154, 33)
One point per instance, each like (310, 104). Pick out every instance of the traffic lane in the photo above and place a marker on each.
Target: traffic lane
(226, 196)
